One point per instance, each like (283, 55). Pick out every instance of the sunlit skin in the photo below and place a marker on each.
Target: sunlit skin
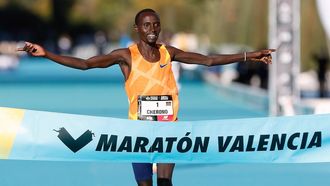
(148, 28)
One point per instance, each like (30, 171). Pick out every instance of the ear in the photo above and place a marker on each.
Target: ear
(135, 28)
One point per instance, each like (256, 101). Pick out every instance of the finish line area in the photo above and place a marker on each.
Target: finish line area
(193, 107)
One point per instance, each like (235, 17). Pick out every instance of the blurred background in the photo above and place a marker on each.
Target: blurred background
(296, 83)
(85, 28)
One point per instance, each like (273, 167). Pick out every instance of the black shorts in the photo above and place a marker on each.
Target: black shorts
(142, 171)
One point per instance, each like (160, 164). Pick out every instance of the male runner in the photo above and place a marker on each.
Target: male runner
(149, 81)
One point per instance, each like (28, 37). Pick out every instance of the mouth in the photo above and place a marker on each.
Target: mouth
(152, 36)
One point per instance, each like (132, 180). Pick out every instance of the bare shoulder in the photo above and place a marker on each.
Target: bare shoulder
(172, 50)
(122, 54)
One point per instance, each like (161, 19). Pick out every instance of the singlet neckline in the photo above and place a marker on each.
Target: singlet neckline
(155, 62)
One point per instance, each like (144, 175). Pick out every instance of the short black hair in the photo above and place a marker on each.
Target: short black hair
(137, 16)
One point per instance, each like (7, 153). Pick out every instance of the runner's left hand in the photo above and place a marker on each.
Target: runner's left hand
(264, 56)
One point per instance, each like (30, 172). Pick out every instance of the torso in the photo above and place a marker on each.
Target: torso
(150, 86)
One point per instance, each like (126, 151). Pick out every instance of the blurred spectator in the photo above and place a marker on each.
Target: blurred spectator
(322, 60)
(100, 42)
(64, 44)
(254, 74)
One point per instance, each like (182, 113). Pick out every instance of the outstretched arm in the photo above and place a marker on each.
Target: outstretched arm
(102, 61)
(220, 59)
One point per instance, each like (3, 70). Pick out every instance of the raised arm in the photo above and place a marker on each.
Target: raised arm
(220, 59)
(101, 61)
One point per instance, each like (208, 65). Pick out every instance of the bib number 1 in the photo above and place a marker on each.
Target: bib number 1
(155, 108)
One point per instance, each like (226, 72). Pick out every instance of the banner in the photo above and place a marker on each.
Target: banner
(36, 135)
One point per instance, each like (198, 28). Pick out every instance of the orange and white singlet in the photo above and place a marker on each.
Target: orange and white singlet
(151, 88)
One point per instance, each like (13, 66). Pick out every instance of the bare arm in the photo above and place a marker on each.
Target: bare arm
(219, 59)
(102, 61)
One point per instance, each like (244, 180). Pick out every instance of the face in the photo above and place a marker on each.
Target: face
(148, 27)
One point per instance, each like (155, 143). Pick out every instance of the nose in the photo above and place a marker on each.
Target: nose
(152, 28)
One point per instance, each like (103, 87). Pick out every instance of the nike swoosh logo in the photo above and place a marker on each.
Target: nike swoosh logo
(162, 66)
(74, 144)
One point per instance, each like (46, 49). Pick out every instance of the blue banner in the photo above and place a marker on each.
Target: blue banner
(36, 135)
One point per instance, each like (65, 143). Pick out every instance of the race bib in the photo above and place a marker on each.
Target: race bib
(155, 108)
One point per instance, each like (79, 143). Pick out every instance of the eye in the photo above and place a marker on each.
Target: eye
(146, 25)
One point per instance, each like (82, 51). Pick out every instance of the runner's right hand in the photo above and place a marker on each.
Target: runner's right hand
(33, 49)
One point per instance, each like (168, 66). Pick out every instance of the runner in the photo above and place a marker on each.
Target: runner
(149, 80)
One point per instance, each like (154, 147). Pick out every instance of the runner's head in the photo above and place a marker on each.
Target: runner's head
(141, 12)
(147, 25)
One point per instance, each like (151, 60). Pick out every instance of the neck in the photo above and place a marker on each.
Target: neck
(149, 51)
(147, 46)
